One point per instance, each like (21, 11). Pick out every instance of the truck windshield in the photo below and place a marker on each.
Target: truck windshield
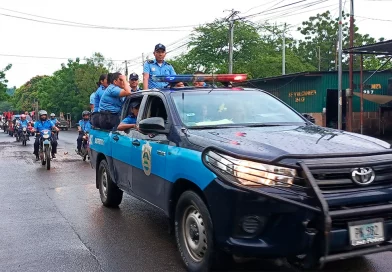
(228, 108)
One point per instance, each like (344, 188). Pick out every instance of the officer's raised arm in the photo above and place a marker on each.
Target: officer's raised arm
(146, 75)
(126, 89)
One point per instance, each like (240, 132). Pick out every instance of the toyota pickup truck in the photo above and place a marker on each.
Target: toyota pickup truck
(240, 173)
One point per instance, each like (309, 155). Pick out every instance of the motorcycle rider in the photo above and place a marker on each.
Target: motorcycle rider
(42, 124)
(54, 120)
(84, 126)
(23, 123)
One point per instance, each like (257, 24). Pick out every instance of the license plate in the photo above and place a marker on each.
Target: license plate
(366, 232)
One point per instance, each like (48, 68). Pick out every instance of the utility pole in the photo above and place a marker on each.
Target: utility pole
(284, 51)
(319, 58)
(231, 38)
(340, 68)
(142, 59)
(126, 68)
(350, 69)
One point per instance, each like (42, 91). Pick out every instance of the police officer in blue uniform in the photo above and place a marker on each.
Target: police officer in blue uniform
(102, 85)
(84, 126)
(130, 120)
(157, 67)
(134, 82)
(42, 124)
(112, 100)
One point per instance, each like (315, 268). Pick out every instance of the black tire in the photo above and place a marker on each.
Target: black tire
(47, 155)
(192, 211)
(111, 195)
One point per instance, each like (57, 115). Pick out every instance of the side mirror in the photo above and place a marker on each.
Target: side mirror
(152, 125)
(309, 118)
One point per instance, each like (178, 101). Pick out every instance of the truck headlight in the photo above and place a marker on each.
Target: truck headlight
(251, 173)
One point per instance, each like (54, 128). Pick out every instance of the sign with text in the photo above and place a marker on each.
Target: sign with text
(300, 96)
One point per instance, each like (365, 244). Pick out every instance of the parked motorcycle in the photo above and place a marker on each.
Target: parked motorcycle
(85, 149)
(24, 135)
(45, 147)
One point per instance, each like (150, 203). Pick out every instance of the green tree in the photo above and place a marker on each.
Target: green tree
(257, 51)
(3, 83)
(320, 34)
(67, 90)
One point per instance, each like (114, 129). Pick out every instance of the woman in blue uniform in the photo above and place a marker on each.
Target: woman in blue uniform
(102, 85)
(112, 100)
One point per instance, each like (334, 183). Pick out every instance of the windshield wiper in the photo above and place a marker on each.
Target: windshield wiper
(214, 127)
(268, 125)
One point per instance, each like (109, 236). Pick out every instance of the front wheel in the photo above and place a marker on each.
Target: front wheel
(47, 157)
(111, 195)
(194, 234)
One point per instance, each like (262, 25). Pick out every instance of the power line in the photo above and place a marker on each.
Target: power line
(255, 14)
(172, 28)
(375, 19)
(42, 57)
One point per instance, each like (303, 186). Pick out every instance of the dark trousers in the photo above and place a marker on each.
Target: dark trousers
(36, 145)
(79, 140)
(95, 119)
(107, 120)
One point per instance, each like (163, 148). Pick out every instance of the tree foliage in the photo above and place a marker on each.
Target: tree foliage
(67, 90)
(3, 84)
(320, 35)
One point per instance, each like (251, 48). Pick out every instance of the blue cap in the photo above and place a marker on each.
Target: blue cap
(160, 46)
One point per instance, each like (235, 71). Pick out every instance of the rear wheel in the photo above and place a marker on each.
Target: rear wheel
(111, 195)
(194, 235)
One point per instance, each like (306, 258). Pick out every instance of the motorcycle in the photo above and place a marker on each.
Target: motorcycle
(45, 147)
(16, 132)
(5, 126)
(30, 128)
(85, 149)
(24, 135)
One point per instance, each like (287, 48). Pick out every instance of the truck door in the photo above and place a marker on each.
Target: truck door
(149, 156)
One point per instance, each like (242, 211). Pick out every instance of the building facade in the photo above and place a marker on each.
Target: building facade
(316, 93)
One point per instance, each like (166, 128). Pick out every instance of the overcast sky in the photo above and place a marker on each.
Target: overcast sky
(31, 38)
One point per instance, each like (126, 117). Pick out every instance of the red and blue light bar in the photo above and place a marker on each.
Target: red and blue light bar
(203, 78)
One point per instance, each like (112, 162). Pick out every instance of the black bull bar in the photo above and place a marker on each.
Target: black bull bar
(307, 195)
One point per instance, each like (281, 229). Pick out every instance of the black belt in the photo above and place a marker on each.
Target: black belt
(109, 113)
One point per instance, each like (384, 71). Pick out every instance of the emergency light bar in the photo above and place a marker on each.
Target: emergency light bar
(203, 78)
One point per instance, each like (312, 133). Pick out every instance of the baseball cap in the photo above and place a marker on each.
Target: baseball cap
(160, 46)
(134, 104)
(133, 76)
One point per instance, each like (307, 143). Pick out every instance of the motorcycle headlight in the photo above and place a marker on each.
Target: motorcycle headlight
(251, 173)
(24, 129)
(46, 136)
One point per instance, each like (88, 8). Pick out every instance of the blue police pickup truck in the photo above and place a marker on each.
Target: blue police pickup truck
(240, 173)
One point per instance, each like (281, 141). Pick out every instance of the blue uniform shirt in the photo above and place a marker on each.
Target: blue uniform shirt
(92, 96)
(130, 119)
(153, 69)
(42, 125)
(111, 100)
(97, 97)
(85, 125)
(23, 123)
(54, 121)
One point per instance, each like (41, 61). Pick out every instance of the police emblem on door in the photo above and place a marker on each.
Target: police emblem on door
(146, 158)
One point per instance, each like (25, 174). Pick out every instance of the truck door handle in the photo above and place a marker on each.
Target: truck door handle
(161, 153)
(136, 143)
(115, 137)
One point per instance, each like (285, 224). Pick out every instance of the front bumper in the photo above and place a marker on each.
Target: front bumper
(290, 225)
(287, 230)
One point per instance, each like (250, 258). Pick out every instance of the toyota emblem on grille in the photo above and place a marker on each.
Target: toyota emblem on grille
(363, 176)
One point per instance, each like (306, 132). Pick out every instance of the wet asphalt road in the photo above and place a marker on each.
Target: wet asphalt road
(54, 221)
